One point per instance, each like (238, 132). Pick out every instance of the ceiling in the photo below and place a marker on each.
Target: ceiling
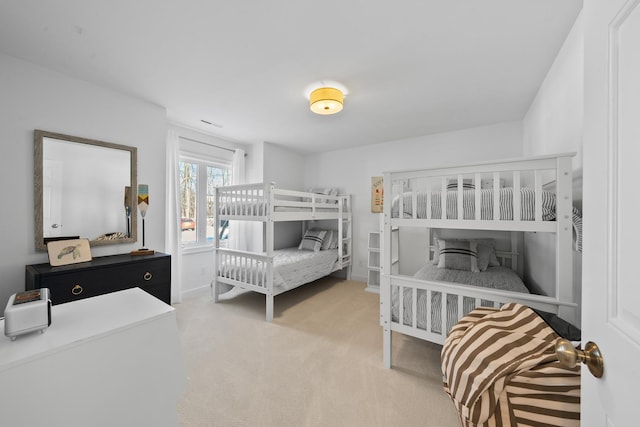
(409, 68)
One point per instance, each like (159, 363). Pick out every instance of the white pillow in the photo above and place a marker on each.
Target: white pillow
(312, 240)
(330, 240)
(323, 191)
(327, 240)
(458, 255)
(486, 253)
(334, 240)
(467, 184)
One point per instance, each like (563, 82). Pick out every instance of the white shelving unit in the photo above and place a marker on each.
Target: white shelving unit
(373, 263)
(347, 239)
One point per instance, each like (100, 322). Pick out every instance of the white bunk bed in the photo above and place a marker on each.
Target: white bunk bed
(270, 271)
(516, 190)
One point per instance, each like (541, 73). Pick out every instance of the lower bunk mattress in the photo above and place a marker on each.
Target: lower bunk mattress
(292, 267)
(502, 278)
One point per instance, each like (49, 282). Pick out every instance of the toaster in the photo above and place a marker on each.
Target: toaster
(27, 312)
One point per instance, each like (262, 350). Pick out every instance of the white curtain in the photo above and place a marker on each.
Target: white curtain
(238, 231)
(172, 226)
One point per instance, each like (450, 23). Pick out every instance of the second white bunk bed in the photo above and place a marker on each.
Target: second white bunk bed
(274, 271)
(506, 196)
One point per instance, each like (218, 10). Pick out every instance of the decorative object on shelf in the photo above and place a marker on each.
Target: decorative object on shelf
(111, 236)
(377, 194)
(143, 205)
(64, 252)
(326, 100)
(127, 208)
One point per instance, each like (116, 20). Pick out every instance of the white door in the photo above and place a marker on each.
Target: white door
(611, 293)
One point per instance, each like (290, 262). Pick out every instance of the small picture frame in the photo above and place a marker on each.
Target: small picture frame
(377, 194)
(64, 252)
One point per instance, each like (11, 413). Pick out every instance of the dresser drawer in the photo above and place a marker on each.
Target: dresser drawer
(74, 286)
(104, 275)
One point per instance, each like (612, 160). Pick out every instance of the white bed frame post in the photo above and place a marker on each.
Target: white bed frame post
(269, 241)
(564, 250)
(386, 248)
(340, 231)
(216, 254)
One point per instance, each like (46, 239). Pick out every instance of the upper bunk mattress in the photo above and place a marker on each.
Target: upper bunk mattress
(527, 207)
(260, 209)
(527, 200)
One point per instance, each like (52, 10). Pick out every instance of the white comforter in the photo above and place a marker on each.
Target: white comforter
(292, 268)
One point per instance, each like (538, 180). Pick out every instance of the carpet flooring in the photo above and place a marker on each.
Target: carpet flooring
(318, 364)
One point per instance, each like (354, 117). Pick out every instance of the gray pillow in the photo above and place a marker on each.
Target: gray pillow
(458, 255)
(486, 253)
(326, 243)
(312, 240)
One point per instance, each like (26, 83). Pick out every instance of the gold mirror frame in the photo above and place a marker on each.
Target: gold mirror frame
(39, 136)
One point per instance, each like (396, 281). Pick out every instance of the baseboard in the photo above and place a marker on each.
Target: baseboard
(359, 278)
(200, 292)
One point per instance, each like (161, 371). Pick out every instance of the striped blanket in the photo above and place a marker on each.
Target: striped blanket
(527, 206)
(502, 278)
(500, 369)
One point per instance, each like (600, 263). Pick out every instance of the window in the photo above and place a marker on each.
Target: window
(198, 178)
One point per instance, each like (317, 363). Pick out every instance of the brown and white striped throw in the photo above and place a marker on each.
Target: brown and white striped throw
(499, 368)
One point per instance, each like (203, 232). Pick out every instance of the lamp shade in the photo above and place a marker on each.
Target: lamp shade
(326, 100)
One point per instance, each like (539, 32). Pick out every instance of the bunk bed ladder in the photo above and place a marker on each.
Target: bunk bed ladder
(346, 233)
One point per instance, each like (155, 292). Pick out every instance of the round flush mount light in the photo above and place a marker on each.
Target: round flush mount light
(326, 100)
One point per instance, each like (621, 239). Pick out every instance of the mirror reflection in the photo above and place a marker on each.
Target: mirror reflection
(84, 190)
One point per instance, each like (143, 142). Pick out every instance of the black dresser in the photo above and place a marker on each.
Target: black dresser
(151, 273)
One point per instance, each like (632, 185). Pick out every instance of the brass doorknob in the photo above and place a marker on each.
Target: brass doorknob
(570, 356)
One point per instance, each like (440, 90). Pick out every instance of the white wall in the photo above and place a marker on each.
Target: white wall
(351, 171)
(286, 169)
(36, 98)
(553, 124)
(254, 163)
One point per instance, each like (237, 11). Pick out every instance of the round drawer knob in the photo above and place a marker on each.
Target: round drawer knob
(147, 276)
(77, 290)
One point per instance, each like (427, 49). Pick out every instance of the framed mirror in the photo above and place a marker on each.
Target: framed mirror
(84, 188)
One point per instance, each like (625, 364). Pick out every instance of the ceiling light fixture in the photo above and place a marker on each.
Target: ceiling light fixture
(326, 100)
